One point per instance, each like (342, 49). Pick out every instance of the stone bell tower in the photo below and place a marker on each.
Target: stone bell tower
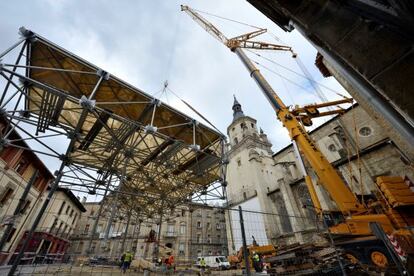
(249, 152)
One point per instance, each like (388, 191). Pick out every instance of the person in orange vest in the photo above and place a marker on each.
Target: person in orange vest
(170, 261)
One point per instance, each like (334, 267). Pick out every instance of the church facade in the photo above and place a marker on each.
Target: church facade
(271, 189)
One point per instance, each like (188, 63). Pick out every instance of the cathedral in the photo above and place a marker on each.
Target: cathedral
(271, 189)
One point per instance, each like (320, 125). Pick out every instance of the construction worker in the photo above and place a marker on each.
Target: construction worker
(256, 262)
(127, 261)
(203, 265)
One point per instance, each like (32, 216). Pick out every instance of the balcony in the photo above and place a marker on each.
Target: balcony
(170, 234)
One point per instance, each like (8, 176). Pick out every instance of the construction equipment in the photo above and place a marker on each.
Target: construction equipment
(392, 209)
(238, 261)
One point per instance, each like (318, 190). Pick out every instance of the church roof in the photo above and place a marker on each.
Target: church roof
(237, 110)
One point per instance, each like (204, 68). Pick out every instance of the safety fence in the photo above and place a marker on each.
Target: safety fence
(70, 240)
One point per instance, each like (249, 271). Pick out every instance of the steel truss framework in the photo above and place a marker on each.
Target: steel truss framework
(137, 152)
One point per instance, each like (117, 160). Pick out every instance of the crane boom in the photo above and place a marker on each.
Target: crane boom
(327, 175)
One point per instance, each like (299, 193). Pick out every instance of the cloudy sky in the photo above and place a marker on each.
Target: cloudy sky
(148, 42)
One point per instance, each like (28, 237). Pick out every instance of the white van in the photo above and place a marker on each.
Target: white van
(214, 262)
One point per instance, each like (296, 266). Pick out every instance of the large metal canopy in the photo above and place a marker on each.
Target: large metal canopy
(142, 152)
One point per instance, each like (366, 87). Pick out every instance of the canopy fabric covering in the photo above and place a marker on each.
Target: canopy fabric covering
(155, 151)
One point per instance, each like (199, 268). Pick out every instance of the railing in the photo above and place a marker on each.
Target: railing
(170, 234)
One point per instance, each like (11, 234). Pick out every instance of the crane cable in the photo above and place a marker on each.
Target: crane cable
(278, 74)
(316, 88)
(362, 188)
(228, 19)
(174, 44)
(292, 71)
(194, 110)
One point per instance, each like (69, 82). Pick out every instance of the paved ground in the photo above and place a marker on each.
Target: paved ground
(64, 270)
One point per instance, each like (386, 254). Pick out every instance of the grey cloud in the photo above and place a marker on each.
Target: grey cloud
(138, 41)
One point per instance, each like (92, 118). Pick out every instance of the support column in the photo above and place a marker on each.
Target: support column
(157, 248)
(245, 249)
(126, 232)
(137, 238)
(98, 215)
(128, 155)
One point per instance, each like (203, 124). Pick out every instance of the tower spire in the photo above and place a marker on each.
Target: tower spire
(237, 109)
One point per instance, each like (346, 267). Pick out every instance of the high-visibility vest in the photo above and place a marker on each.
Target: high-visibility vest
(202, 262)
(128, 257)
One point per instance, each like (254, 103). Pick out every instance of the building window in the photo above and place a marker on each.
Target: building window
(210, 253)
(218, 226)
(37, 181)
(67, 210)
(11, 234)
(198, 238)
(71, 213)
(365, 131)
(74, 219)
(182, 228)
(61, 207)
(332, 147)
(182, 212)
(208, 225)
(60, 226)
(25, 207)
(181, 248)
(278, 200)
(21, 166)
(53, 225)
(199, 252)
(99, 228)
(252, 125)
(6, 195)
(80, 247)
(208, 239)
(86, 230)
(218, 238)
(170, 230)
(198, 224)
(239, 162)
(236, 141)
(243, 125)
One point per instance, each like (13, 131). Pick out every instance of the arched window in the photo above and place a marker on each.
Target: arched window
(285, 224)
(236, 141)
(306, 206)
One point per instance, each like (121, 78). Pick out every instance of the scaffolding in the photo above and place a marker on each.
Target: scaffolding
(141, 155)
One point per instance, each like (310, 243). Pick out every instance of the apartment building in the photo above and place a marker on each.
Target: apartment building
(17, 167)
(24, 181)
(188, 231)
